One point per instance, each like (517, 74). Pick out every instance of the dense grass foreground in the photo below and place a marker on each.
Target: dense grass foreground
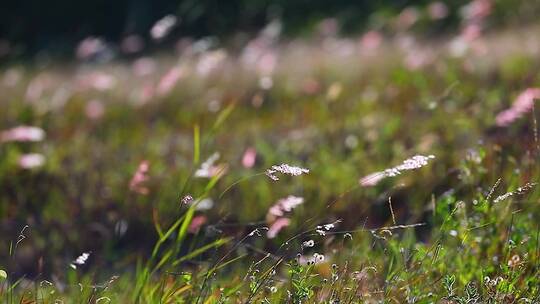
(152, 181)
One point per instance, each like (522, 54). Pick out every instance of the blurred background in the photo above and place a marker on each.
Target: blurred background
(53, 28)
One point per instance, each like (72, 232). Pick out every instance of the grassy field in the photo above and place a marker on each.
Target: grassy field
(152, 180)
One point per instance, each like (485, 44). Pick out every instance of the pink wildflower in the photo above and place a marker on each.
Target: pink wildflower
(140, 178)
(132, 44)
(371, 40)
(196, 223)
(94, 109)
(276, 227)
(22, 134)
(522, 104)
(31, 160)
(90, 47)
(437, 10)
(248, 160)
(284, 205)
(169, 80)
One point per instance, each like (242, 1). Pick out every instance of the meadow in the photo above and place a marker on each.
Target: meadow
(369, 169)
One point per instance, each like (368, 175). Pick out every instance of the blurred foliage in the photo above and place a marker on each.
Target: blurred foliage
(56, 26)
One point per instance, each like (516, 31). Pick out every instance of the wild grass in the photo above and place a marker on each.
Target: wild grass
(130, 177)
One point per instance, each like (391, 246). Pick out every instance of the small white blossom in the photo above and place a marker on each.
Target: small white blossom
(308, 244)
(80, 260)
(321, 232)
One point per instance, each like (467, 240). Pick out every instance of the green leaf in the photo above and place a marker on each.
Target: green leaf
(3, 275)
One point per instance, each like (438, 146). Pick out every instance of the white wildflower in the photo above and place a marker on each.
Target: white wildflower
(80, 260)
(308, 244)
(320, 232)
(318, 258)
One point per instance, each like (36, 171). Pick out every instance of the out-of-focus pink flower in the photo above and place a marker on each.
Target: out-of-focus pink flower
(250, 155)
(22, 134)
(132, 44)
(144, 66)
(210, 61)
(437, 10)
(522, 104)
(31, 160)
(36, 87)
(267, 63)
(89, 47)
(284, 205)
(163, 27)
(146, 92)
(471, 32)
(417, 59)
(371, 40)
(477, 10)
(328, 27)
(103, 81)
(276, 227)
(169, 80)
(311, 86)
(407, 18)
(94, 109)
(137, 183)
(196, 223)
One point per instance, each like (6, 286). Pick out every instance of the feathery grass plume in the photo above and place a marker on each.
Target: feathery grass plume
(22, 134)
(80, 260)
(413, 163)
(139, 178)
(285, 169)
(522, 105)
(520, 190)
